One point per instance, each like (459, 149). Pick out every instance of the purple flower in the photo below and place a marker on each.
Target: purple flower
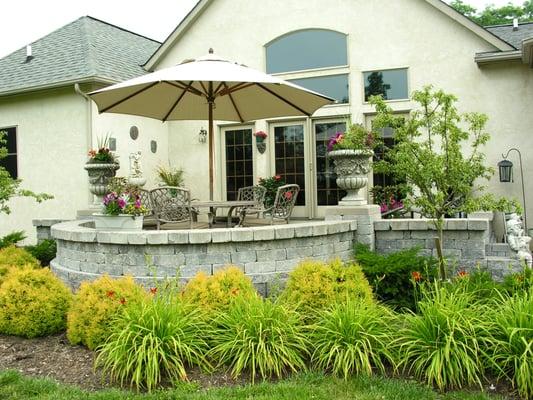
(333, 140)
(121, 202)
(384, 207)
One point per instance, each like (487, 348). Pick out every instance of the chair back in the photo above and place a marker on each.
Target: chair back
(146, 200)
(171, 204)
(285, 201)
(252, 193)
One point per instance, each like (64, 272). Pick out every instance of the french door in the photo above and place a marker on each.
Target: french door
(237, 160)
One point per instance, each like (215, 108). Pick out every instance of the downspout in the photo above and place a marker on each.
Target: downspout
(89, 130)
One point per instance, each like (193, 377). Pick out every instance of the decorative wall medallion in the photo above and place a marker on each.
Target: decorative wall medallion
(134, 132)
(153, 146)
(112, 144)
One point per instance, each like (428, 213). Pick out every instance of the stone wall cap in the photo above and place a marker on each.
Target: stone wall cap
(47, 221)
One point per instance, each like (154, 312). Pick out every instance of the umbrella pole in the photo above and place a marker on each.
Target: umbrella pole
(211, 149)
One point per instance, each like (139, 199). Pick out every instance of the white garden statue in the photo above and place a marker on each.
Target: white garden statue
(135, 177)
(516, 239)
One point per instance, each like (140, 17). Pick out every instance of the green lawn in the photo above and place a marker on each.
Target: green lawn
(14, 386)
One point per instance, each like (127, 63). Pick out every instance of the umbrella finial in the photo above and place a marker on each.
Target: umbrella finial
(211, 51)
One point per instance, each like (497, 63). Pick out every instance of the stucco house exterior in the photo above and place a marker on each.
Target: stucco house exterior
(345, 49)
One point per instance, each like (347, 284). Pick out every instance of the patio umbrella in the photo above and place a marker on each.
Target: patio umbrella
(208, 88)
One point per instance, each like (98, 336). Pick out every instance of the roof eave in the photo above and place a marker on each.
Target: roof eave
(54, 85)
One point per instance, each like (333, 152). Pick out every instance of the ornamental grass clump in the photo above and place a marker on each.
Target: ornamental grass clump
(154, 341)
(315, 285)
(33, 303)
(12, 258)
(511, 341)
(442, 344)
(218, 291)
(353, 338)
(90, 319)
(261, 337)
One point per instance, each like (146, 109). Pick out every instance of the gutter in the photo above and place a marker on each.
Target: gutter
(90, 79)
(90, 125)
(489, 58)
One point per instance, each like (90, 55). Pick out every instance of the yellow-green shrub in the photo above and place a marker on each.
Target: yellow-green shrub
(15, 257)
(33, 302)
(314, 285)
(216, 292)
(95, 306)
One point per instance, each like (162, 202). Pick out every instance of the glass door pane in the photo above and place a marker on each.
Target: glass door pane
(290, 157)
(327, 192)
(238, 161)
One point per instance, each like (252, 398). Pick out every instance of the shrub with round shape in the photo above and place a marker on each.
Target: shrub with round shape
(34, 302)
(260, 336)
(315, 285)
(90, 318)
(353, 338)
(218, 291)
(12, 257)
(155, 339)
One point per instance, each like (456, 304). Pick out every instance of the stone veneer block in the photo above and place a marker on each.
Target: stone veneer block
(283, 232)
(264, 233)
(199, 236)
(456, 224)
(85, 236)
(137, 238)
(271, 255)
(418, 225)
(382, 225)
(399, 225)
(343, 226)
(478, 225)
(242, 235)
(112, 237)
(243, 257)
(303, 230)
(221, 235)
(259, 267)
(353, 225)
(178, 237)
(323, 229)
(157, 237)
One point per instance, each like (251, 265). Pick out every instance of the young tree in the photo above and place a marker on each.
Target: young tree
(10, 187)
(492, 15)
(438, 153)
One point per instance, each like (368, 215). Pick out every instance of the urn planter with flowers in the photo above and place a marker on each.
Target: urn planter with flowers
(260, 143)
(351, 153)
(101, 167)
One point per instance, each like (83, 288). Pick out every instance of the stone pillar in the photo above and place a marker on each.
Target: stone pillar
(365, 215)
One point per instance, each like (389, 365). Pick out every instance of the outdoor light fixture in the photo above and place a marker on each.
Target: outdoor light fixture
(202, 135)
(506, 175)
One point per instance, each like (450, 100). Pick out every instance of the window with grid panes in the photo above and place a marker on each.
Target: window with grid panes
(289, 143)
(239, 161)
(10, 142)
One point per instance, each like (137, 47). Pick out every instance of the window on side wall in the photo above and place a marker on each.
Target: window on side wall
(391, 84)
(10, 143)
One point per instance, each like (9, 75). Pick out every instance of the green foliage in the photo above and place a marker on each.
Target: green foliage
(353, 338)
(315, 285)
(10, 187)
(356, 137)
(12, 258)
(12, 239)
(155, 339)
(478, 283)
(102, 154)
(261, 336)
(391, 275)
(271, 185)
(492, 15)
(90, 319)
(442, 343)
(171, 176)
(519, 282)
(44, 251)
(218, 291)
(511, 341)
(34, 302)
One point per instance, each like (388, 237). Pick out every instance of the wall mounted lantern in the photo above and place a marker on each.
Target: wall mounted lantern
(202, 136)
(506, 175)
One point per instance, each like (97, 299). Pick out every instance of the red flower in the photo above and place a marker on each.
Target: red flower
(122, 300)
(462, 274)
(92, 153)
(110, 294)
(235, 291)
(288, 195)
(277, 177)
(153, 290)
(417, 276)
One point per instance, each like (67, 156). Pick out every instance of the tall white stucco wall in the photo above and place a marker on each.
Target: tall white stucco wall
(382, 34)
(51, 151)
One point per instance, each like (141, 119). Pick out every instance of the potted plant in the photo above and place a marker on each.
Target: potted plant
(260, 137)
(351, 152)
(122, 208)
(271, 185)
(101, 167)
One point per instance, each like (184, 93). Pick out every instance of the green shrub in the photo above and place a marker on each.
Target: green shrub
(442, 343)
(391, 275)
(353, 338)
(315, 285)
(155, 339)
(217, 291)
(511, 341)
(261, 336)
(90, 319)
(12, 258)
(34, 302)
(44, 251)
(11, 239)
(519, 282)
(478, 283)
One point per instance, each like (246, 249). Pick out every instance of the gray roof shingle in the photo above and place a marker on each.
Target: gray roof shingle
(85, 48)
(514, 38)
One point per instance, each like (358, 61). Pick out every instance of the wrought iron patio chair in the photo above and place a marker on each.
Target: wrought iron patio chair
(171, 204)
(146, 200)
(253, 193)
(283, 203)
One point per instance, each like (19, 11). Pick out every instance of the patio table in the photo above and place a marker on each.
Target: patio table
(230, 205)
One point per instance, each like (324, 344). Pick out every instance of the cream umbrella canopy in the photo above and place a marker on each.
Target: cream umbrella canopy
(208, 88)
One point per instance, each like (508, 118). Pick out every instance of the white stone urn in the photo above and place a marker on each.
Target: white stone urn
(99, 175)
(352, 168)
(121, 222)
